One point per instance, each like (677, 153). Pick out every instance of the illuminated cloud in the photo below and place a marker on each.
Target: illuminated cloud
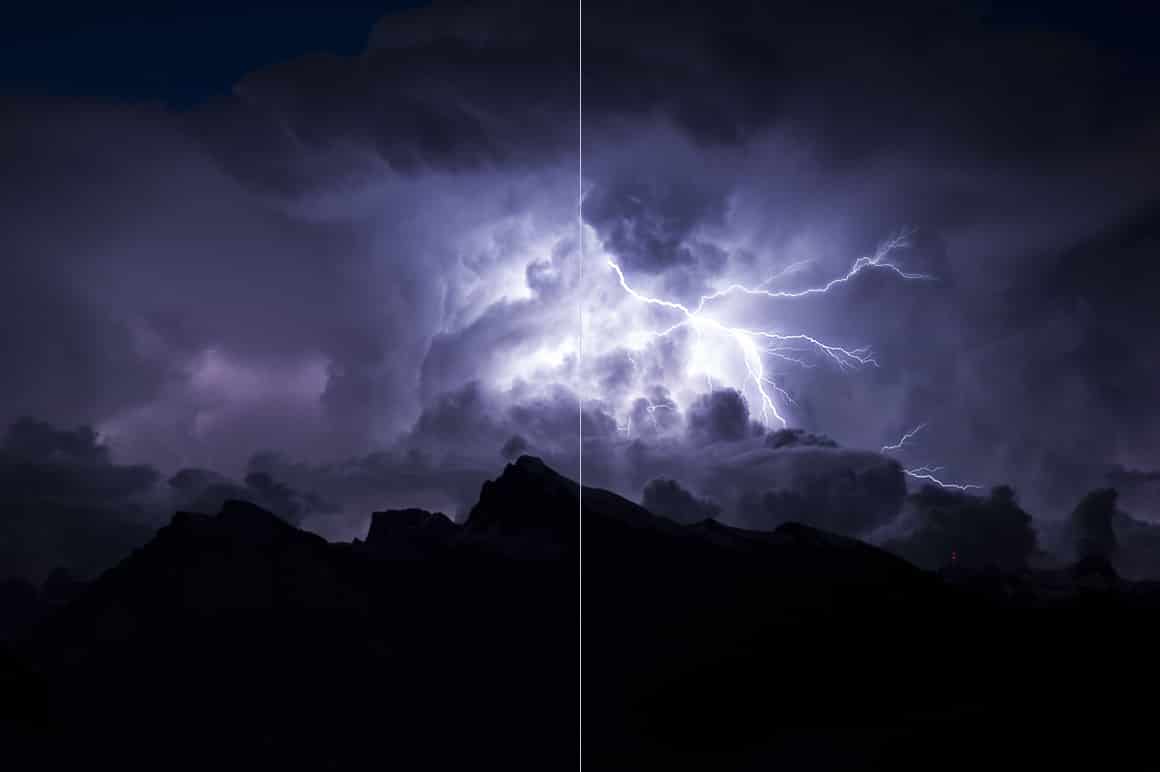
(358, 239)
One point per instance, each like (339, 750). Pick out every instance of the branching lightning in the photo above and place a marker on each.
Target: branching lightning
(878, 260)
(755, 346)
(927, 476)
(651, 408)
(926, 473)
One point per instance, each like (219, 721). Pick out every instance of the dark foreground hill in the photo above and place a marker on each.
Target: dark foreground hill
(240, 642)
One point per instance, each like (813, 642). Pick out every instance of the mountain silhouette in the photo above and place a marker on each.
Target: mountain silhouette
(410, 534)
(241, 641)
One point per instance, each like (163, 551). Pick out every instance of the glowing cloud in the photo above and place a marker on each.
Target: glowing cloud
(753, 348)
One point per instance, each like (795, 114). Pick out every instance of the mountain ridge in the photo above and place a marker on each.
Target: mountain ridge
(703, 644)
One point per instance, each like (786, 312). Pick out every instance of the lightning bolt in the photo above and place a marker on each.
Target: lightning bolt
(915, 473)
(878, 260)
(909, 435)
(756, 345)
(651, 408)
(927, 473)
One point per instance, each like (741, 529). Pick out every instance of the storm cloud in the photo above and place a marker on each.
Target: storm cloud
(668, 499)
(67, 507)
(64, 504)
(941, 528)
(362, 276)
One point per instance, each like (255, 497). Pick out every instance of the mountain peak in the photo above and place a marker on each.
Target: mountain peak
(388, 521)
(248, 522)
(410, 533)
(529, 492)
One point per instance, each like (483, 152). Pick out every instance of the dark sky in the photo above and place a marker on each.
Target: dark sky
(182, 53)
(336, 246)
(179, 54)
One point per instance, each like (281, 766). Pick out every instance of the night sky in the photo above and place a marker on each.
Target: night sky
(176, 54)
(330, 255)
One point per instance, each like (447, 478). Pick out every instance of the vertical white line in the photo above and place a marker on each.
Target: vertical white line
(580, 363)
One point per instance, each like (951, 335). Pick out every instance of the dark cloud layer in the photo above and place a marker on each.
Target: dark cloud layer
(64, 504)
(1137, 548)
(668, 499)
(649, 228)
(978, 533)
(845, 491)
(1091, 526)
(719, 415)
(201, 490)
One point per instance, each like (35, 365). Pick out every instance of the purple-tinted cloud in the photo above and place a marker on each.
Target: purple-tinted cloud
(370, 265)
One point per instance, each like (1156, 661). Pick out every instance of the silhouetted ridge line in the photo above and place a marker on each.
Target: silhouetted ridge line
(411, 534)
